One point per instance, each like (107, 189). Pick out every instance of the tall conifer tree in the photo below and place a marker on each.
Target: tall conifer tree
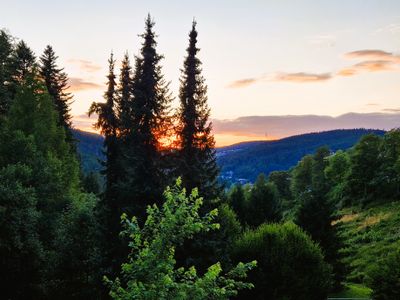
(125, 96)
(56, 81)
(109, 210)
(23, 62)
(108, 124)
(22, 65)
(144, 173)
(197, 160)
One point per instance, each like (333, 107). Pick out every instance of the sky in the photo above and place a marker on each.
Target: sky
(268, 59)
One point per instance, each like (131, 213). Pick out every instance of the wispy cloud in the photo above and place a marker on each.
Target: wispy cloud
(391, 110)
(79, 84)
(302, 77)
(85, 65)
(373, 54)
(371, 60)
(368, 66)
(244, 82)
(372, 104)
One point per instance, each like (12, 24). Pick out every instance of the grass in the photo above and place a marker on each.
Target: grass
(369, 234)
(353, 291)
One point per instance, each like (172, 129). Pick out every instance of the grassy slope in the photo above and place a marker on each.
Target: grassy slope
(353, 291)
(369, 235)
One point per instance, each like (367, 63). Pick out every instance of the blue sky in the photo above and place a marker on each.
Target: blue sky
(259, 57)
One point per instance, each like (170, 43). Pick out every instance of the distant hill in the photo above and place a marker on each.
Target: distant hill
(90, 148)
(244, 161)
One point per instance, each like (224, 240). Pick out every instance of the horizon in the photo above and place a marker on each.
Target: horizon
(305, 59)
(305, 124)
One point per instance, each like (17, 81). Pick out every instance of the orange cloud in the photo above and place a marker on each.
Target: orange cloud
(84, 122)
(376, 55)
(243, 82)
(368, 66)
(347, 72)
(374, 61)
(374, 65)
(78, 84)
(85, 65)
(302, 77)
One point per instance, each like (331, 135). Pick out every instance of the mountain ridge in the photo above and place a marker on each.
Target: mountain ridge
(243, 162)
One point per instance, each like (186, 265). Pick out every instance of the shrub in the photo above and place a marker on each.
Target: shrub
(290, 264)
(150, 272)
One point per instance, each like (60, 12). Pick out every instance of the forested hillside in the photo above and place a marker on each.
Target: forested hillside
(243, 162)
(90, 148)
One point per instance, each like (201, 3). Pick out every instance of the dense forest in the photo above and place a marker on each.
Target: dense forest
(243, 162)
(161, 225)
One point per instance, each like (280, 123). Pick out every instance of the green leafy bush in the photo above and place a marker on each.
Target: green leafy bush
(150, 272)
(290, 264)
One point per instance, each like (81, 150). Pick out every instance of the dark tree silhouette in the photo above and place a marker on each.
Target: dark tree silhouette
(109, 210)
(144, 172)
(124, 98)
(197, 160)
(22, 65)
(56, 81)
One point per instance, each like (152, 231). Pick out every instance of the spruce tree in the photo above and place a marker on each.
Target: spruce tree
(125, 96)
(109, 210)
(108, 124)
(145, 174)
(56, 81)
(22, 64)
(197, 160)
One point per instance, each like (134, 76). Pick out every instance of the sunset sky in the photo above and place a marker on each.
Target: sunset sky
(261, 59)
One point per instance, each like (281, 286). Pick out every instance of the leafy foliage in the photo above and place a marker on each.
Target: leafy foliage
(263, 203)
(150, 272)
(39, 183)
(20, 248)
(290, 264)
